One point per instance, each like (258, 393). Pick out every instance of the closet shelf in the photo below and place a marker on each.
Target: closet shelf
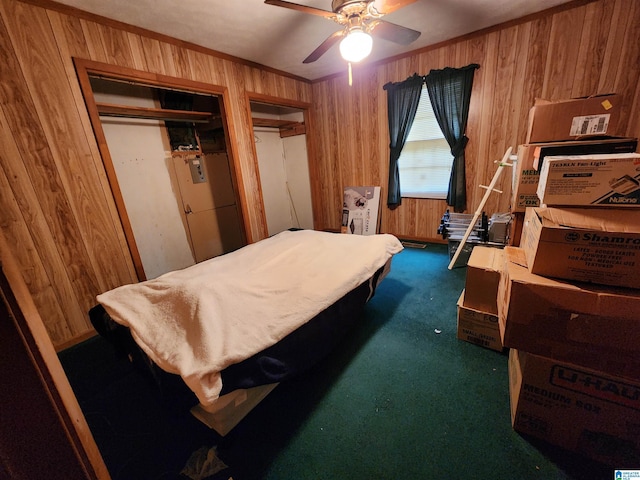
(113, 110)
(287, 128)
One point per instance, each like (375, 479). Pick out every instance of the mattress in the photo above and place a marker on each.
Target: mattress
(256, 316)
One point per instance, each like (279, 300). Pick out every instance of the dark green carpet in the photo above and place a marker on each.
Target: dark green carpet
(396, 400)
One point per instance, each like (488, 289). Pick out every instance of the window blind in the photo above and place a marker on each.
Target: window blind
(425, 162)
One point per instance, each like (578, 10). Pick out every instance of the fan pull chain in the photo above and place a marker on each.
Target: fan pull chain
(350, 75)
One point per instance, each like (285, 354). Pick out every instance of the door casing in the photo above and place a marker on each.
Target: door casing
(86, 69)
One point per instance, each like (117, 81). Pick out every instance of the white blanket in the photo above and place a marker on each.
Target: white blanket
(197, 321)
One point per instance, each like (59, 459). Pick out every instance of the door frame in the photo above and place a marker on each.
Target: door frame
(88, 68)
(253, 97)
(53, 388)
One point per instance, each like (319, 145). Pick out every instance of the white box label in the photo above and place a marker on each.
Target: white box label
(590, 125)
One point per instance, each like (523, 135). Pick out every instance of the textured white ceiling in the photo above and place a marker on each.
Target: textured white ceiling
(281, 38)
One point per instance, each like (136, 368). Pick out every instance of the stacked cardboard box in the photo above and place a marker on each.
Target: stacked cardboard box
(594, 326)
(477, 305)
(566, 127)
(609, 180)
(580, 409)
(569, 297)
(530, 162)
(598, 246)
(574, 118)
(589, 332)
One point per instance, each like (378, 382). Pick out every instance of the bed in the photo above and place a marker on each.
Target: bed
(233, 327)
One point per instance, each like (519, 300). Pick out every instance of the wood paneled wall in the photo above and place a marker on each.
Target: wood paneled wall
(57, 211)
(590, 48)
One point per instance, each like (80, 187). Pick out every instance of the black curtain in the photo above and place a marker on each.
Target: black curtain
(402, 104)
(450, 91)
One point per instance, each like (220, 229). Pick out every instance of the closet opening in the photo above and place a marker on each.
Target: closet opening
(281, 150)
(165, 148)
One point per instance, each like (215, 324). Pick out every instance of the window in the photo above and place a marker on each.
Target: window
(425, 162)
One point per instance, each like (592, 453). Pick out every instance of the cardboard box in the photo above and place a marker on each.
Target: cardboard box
(483, 276)
(499, 224)
(590, 180)
(530, 158)
(597, 327)
(583, 147)
(583, 410)
(575, 118)
(525, 180)
(587, 245)
(477, 327)
(515, 235)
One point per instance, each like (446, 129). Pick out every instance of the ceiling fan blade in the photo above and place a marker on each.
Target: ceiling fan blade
(393, 33)
(324, 46)
(384, 7)
(302, 8)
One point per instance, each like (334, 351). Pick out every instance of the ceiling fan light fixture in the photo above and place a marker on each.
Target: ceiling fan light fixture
(356, 45)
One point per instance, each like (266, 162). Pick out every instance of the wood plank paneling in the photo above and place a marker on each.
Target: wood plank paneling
(562, 56)
(582, 49)
(116, 46)
(615, 39)
(137, 51)
(68, 33)
(476, 51)
(483, 105)
(79, 217)
(201, 68)
(628, 78)
(93, 39)
(152, 54)
(40, 192)
(634, 117)
(592, 47)
(182, 66)
(536, 51)
(17, 224)
(59, 212)
(501, 126)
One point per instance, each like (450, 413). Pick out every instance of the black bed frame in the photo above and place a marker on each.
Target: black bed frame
(292, 355)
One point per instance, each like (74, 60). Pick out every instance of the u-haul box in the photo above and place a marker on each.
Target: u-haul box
(611, 180)
(587, 411)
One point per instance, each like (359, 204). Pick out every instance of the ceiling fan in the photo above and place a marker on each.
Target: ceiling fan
(360, 20)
